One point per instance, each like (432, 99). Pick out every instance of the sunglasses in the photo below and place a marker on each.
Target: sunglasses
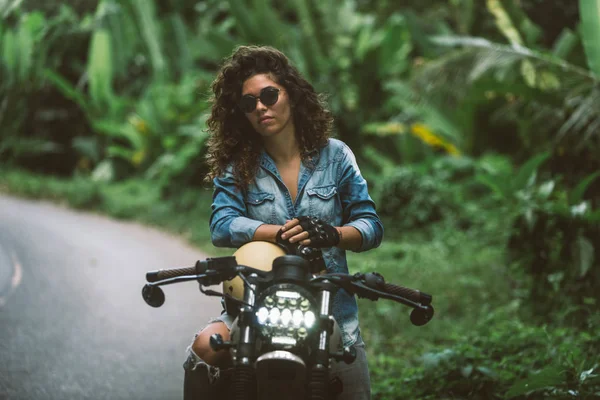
(268, 96)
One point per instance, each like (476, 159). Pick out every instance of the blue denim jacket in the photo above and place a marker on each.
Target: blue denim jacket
(330, 187)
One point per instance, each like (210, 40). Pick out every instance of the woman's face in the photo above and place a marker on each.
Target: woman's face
(268, 120)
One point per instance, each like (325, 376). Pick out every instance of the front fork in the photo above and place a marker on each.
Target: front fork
(244, 377)
(318, 384)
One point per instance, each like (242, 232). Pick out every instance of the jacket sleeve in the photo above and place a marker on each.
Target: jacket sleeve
(357, 206)
(229, 224)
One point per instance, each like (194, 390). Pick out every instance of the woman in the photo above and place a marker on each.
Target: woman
(278, 176)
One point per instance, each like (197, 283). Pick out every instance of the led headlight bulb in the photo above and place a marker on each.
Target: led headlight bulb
(262, 314)
(281, 302)
(269, 302)
(304, 305)
(309, 319)
(286, 317)
(274, 315)
(297, 317)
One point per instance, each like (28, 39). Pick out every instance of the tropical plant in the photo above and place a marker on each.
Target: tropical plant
(560, 100)
(28, 43)
(553, 242)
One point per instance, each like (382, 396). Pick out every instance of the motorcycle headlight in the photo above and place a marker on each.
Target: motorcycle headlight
(286, 314)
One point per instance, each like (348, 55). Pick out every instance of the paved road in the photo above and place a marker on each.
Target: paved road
(73, 324)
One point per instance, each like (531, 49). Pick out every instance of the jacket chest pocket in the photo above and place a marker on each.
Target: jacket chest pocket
(323, 203)
(261, 206)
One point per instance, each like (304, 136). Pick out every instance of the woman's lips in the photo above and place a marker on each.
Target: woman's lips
(265, 120)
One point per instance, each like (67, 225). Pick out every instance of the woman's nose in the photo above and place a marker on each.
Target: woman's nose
(260, 105)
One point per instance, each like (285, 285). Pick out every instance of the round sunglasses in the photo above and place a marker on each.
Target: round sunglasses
(268, 96)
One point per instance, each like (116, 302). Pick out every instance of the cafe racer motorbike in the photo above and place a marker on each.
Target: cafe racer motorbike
(284, 337)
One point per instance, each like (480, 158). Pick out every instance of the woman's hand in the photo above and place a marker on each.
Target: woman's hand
(309, 231)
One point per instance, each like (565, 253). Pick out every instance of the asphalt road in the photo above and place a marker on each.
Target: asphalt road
(73, 324)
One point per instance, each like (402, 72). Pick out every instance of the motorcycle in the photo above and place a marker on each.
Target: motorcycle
(284, 338)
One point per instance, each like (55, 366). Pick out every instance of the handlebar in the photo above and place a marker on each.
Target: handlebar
(371, 285)
(201, 268)
(412, 294)
(162, 274)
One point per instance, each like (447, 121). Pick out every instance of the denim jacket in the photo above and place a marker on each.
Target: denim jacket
(330, 187)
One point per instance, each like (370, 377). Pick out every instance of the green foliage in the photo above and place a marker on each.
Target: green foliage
(553, 236)
(26, 41)
(590, 27)
(441, 190)
(411, 199)
(501, 358)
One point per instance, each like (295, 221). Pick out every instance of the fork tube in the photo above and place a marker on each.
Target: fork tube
(318, 385)
(244, 377)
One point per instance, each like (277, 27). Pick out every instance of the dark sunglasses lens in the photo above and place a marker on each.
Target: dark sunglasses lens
(248, 104)
(269, 96)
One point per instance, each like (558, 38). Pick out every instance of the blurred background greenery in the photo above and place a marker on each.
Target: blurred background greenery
(476, 123)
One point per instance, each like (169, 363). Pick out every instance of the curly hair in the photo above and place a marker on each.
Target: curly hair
(232, 139)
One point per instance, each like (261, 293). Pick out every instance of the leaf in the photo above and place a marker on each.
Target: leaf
(548, 81)
(66, 88)
(395, 47)
(587, 374)
(485, 371)
(150, 30)
(565, 43)
(433, 360)
(549, 377)
(245, 23)
(583, 254)
(576, 195)
(6, 8)
(466, 371)
(527, 170)
(579, 209)
(589, 11)
(87, 146)
(100, 68)
(496, 184)
(546, 189)
(528, 72)
(504, 23)
(104, 172)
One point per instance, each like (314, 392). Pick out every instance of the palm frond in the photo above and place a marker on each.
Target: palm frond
(485, 47)
(537, 79)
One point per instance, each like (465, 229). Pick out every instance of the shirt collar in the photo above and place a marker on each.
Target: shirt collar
(311, 162)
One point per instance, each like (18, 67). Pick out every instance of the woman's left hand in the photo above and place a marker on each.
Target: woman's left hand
(310, 231)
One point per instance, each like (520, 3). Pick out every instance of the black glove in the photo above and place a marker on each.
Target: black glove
(313, 255)
(320, 233)
(289, 248)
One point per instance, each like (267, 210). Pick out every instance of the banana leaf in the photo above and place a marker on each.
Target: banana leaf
(590, 30)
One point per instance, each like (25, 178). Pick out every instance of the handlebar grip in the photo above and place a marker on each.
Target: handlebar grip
(411, 294)
(155, 276)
